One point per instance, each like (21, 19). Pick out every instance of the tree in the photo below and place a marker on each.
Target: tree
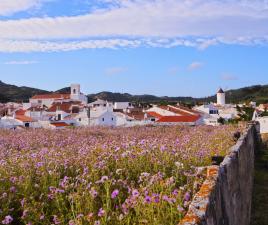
(221, 121)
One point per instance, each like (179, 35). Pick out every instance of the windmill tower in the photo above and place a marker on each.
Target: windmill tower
(220, 97)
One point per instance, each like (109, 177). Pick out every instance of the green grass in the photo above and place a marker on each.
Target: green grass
(260, 192)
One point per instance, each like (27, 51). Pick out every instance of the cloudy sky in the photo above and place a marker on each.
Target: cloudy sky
(162, 47)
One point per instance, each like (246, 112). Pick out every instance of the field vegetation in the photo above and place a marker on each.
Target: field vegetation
(141, 175)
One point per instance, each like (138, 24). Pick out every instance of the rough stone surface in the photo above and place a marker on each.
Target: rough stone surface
(225, 196)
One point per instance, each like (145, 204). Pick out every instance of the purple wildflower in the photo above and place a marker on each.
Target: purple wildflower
(115, 193)
(56, 220)
(147, 199)
(93, 193)
(8, 220)
(135, 193)
(187, 197)
(101, 212)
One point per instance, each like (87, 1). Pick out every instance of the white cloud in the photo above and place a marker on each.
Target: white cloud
(195, 65)
(134, 23)
(24, 62)
(115, 70)
(8, 7)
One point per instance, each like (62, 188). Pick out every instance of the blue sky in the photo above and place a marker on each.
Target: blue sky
(161, 47)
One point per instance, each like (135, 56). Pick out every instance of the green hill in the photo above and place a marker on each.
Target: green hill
(17, 94)
(258, 93)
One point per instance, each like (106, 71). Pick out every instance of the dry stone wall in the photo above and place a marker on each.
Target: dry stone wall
(225, 196)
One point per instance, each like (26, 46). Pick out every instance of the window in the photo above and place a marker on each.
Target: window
(39, 101)
(59, 116)
(103, 119)
(112, 119)
(27, 124)
(74, 91)
(80, 119)
(213, 111)
(75, 109)
(153, 119)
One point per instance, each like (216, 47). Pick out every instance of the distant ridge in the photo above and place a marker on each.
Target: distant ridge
(17, 94)
(258, 93)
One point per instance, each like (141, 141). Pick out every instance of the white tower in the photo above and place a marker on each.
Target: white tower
(220, 97)
(75, 91)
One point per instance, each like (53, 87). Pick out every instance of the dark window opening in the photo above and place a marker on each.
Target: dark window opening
(59, 116)
(74, 91)
(27, 124)
(75, 110)
(103, 119)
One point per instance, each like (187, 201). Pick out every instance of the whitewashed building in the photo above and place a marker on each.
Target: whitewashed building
(48, 99)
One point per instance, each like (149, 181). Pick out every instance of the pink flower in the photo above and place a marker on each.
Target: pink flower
(115, 194)
(147, 199)
(56, 220)
(101, 212)
(187, 197)
(93, 193)
(180, 209)
(8, 220)
(135, 193)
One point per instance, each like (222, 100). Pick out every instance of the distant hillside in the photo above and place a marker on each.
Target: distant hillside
(17, 94)
(64, 90)
(113, 97)
(258, 93)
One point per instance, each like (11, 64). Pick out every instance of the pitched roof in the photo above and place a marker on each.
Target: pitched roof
(179, 110)
(20, 112)
(154, 114)
(136, 115)
(52, 96)
(220, 91)
(36, 109)
(178, 119)
(60, 124)
(23, 118)
(63, 106)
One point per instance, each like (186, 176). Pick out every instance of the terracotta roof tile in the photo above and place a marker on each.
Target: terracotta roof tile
(24, 118)
(178, 119)
(20, 112)
(52, 96)
(154, 114)
(64, 106)
(60, 124)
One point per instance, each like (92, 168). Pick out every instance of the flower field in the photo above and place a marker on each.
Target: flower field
(140, 175)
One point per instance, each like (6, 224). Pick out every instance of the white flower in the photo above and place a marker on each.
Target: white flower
(179, 165)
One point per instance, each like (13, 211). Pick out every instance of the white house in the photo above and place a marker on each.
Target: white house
(48, 99)
(101, 117)
(263, 124)
(122, 105)
(19, 120)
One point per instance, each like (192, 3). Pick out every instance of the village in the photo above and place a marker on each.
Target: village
(58, 111)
